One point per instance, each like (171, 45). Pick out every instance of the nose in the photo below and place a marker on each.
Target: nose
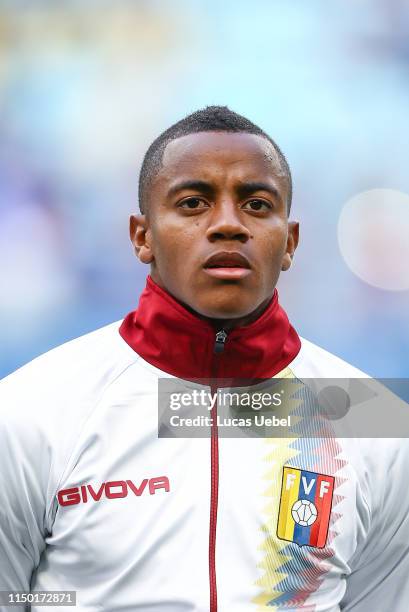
(226, 223)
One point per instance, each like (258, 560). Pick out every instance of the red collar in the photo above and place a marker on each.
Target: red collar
(168, 336)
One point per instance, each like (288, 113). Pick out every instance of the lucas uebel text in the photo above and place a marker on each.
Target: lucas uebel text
(258, 420)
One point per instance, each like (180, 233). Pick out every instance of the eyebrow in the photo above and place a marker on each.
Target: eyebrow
(243, 190)
(194, 185)
(246, 189)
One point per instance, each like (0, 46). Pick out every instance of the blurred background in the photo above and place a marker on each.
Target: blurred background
(85, 86)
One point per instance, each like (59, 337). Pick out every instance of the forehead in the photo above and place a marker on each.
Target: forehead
(218, 153)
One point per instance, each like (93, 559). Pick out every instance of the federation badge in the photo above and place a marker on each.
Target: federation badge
(305, 507)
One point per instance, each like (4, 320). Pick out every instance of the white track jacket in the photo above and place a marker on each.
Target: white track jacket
(92, 501)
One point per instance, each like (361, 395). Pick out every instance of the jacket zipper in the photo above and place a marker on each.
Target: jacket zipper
(218, 349)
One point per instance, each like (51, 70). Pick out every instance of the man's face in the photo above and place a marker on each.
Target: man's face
(222, 196)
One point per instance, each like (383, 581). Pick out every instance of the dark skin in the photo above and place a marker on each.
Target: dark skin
(217, 191)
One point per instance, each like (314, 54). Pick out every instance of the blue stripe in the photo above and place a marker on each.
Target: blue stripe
(302, 534)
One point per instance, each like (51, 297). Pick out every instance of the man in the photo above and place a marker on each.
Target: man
(92, 501)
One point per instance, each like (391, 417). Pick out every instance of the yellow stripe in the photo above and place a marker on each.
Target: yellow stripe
(288, 498)
(278, 452)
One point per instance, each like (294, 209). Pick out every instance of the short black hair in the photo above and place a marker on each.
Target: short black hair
(209, 119)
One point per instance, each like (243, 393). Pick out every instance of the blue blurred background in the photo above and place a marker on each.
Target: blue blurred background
(86, 86)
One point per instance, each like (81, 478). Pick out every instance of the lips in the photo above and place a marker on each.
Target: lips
(226, 259)
(227, 266)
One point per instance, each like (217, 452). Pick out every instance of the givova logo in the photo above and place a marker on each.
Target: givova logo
(305, 507)
(112, 490)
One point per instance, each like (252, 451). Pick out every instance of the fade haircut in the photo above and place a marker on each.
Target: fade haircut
(209, 119)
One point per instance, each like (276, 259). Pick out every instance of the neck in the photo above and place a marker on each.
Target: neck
(229, 324)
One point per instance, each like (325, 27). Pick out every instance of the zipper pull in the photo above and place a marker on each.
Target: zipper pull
(220, 341)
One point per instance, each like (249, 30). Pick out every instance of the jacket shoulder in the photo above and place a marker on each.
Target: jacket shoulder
(314, 361)
(73, 374)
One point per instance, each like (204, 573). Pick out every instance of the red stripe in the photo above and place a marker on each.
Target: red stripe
(214, 494)
(319, 530)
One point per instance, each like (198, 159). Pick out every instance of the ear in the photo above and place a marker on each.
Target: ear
(140, 236)
(292, 243)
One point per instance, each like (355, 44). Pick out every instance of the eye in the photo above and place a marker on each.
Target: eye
(192, 203)
(257, 205)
